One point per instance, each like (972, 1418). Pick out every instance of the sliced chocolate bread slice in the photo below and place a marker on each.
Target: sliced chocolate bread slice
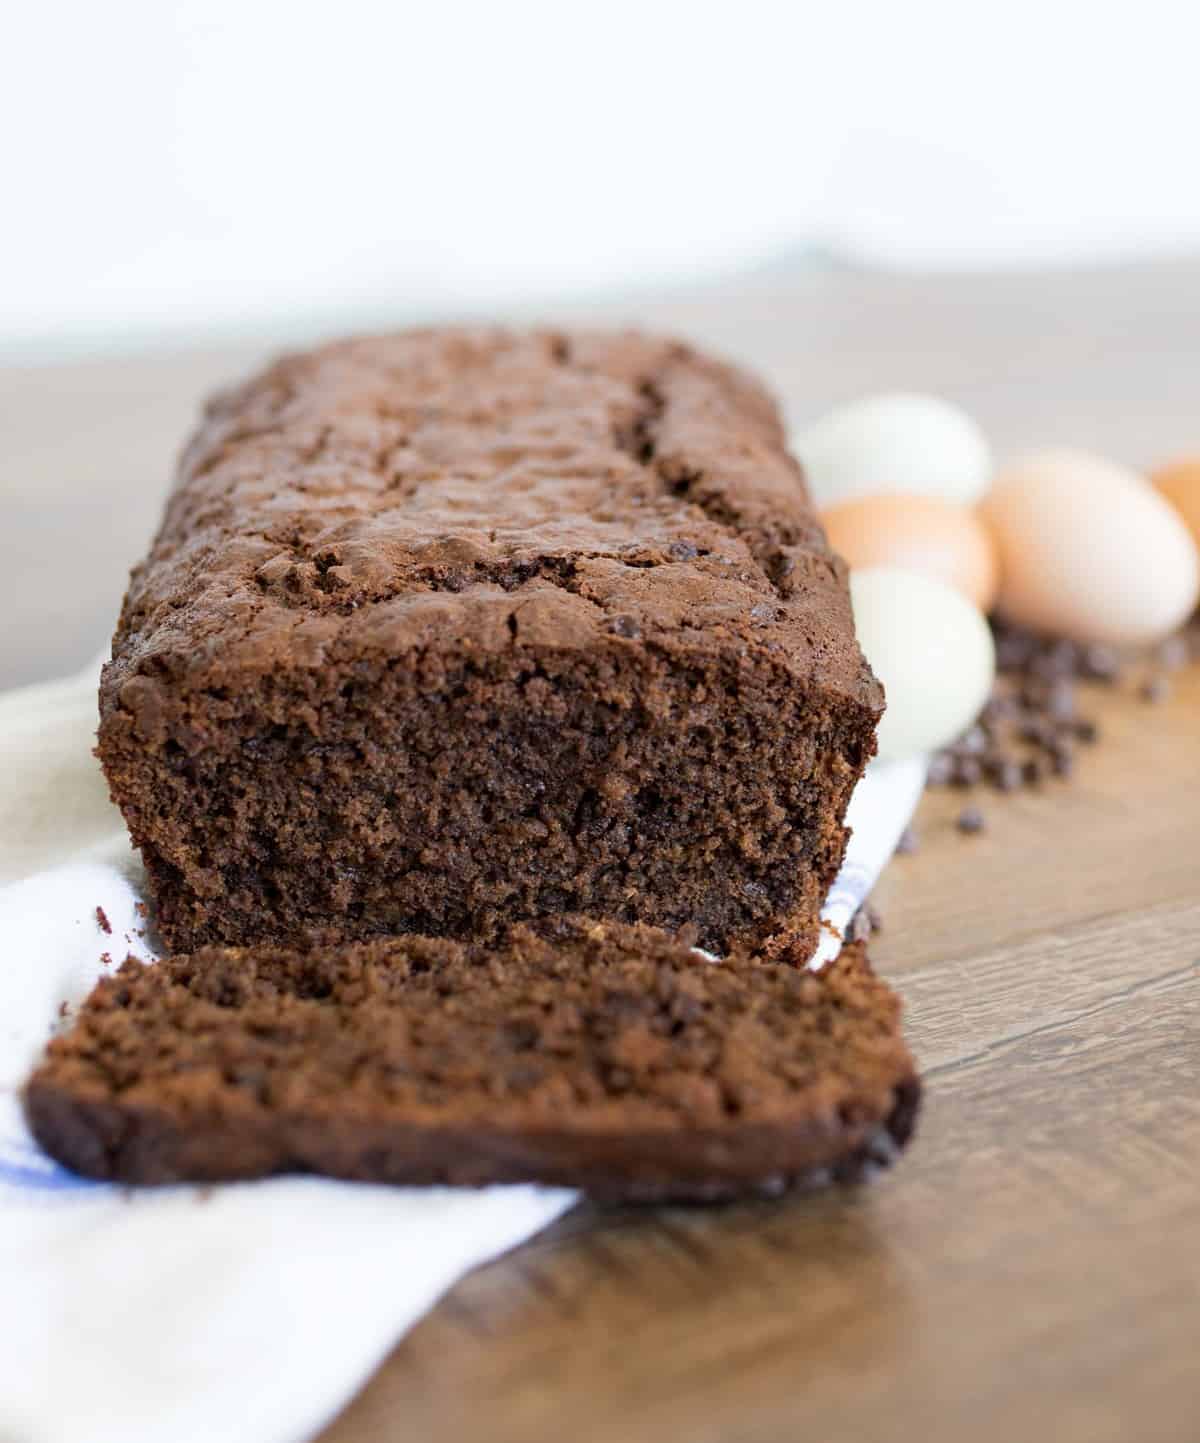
(599, 1056)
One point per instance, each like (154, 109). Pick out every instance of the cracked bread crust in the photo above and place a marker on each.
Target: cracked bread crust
(594, 1056)
(446, 629)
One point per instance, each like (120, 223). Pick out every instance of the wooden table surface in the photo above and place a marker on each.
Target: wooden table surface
(1032, 1267)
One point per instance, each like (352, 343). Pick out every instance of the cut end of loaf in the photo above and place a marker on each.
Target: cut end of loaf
(613, 786)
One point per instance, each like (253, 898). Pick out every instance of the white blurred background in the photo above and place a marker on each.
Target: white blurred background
(175, 169)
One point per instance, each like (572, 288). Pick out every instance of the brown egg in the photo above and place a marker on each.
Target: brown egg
(917, 533)
(1179, 483)
(1089, 550)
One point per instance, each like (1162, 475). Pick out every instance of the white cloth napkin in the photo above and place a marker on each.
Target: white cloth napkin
(245, 1312)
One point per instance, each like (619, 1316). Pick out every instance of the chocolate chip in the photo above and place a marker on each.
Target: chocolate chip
(1062, 760)
(1013, 649)
(999, 707)
(1007, 774)
(1101, 663)
(968, 772)
(941, 769)
(860, 927)
(1061, 701)
(1155, 689)
(970, 820)
(1036, 730)
(864, 924)
(973, 742)
(1059, 659)
(683, 551)
(521, 1034)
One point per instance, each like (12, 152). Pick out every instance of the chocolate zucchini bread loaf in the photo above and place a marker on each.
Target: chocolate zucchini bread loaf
(598, 1056)
(444, 630)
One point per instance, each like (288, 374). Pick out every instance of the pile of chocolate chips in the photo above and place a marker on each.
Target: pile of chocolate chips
(1032, 724)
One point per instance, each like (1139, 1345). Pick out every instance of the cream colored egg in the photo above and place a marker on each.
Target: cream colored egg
(1180, 484)
(895, 442)
(1089, 550)
(931, 649)
(917, 533)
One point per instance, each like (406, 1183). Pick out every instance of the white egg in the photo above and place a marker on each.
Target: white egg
(895, 442)
(931, 649)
